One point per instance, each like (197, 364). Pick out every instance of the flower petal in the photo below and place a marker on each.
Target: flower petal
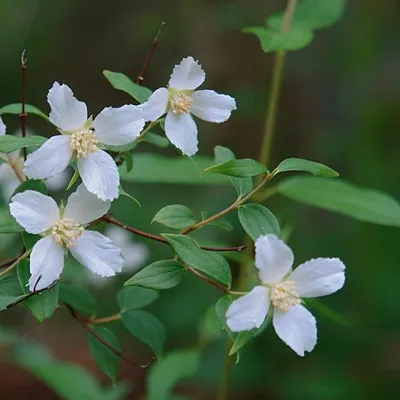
(273, 258)
(84, 207)
(249, 311)
(34, 211)
(319, 277)
(51, 159)
(212, 106)
(181, 131)
(187, 75)
(297, 327)
(118, 126)
(156, 105)
(98, 253)
(2, 128)
(99, 174)
(46, 263)
(59, 181)
(67, 113)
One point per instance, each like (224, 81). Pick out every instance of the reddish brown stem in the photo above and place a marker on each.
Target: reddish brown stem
(23, 114)
(208, 280)
(146, 63)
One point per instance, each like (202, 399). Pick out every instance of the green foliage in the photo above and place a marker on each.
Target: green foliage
(78, 298)
(122, 82)
(31, 184)
(164, 274)
(343, 197)
(219, 223)
(211, 264)
(123, 192)
(298, 164)
(10, 291)
(172, 369)
(242, 186)
(238, 168)
(209, 327)
(132, 298)
(257, 221)
(156, 168)
(147, 328)
(221, 307)
(9, 225)
(9, 143)
(175, 216)
(16, 109)
(105, 358)
(156, 140)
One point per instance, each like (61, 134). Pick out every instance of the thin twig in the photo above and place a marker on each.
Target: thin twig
(208, 280)
(6, 263)
(104, 320)
(15, 263)
(146, 63)
(111, 220)
(76, 316)
(23, 114)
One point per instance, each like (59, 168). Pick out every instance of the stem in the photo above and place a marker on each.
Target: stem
(147, 129)
(23, 101)
(223, 390)
(274, 94)
(15, 263)
(146, 63)
(104, 320)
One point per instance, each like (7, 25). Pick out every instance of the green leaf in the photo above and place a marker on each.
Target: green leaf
(23, 275)
(31, 184)
(298, 164)
(105, 358)
(238, 168)
(120, 81)
(128, 158)
(343, 197)
(221, 307)
(156, 168)
(172, 369)
(73, 180)
(29, 240)
(257, 221)
(313, 14)
(132, 298)
(78, 298)
(147, 328)
(123, 148)
(175, 217)
(6, 300)
(122, 192)
(164, 274)
(10, 226)
(213, 265)
(219, 223)
(275, 40)
(16, 109)
(9, 143)
(242, 186)
(156, 140)
(42, 305)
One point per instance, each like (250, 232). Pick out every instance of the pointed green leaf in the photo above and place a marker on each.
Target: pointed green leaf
(16, 109)
(9, 143)
(78, 298)
(175, 216)
(122, 192)
(298, 164)
(132, 298)
(42, 305)
(238, 168)
(10, 226)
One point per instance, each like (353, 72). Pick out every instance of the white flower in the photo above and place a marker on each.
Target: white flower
(2, 128)
(64, 230)
(134, 253)
(180, 100)
(81, 138)
(282, 290)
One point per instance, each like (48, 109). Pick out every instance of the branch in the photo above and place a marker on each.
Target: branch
(23, 99)
(111, 220)
(15, 263)
(146, 63)
(76, 316)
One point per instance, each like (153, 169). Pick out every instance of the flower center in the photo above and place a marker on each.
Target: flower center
(66, 231)
(84, 142)
(180, 102)
(284, 295)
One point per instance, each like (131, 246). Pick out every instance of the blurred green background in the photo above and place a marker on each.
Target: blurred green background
(340, 106)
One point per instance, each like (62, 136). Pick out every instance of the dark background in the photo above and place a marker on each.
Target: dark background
(340, 105)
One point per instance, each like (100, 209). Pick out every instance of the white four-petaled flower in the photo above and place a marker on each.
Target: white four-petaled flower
(282, 291)
(180, 100)
(62, 230)
(81, 137)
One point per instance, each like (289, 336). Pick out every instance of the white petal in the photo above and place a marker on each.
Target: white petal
(34, 211)
(67, 113)
(273, 258)
(98, 253)
(187, 75)
(181, 131)
(99, 174)
(84, 207)
(212, 106)
(249, 311)
(118, 126)
(46, 263)
(51, 159)
(59, 181)
(319, 277)
(156, 105)
(297, 327)
(2, 128)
